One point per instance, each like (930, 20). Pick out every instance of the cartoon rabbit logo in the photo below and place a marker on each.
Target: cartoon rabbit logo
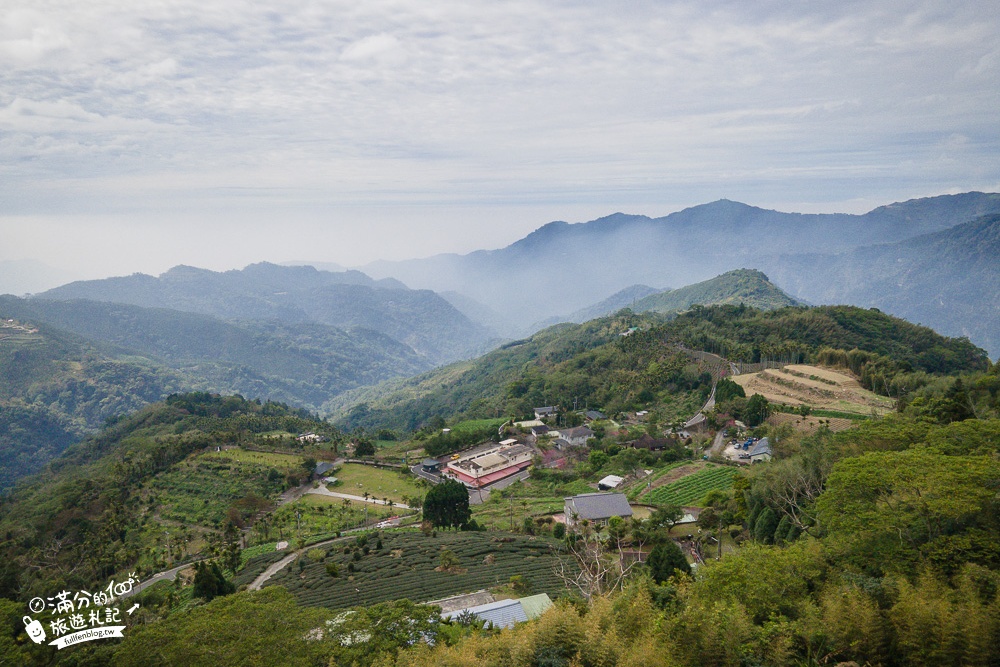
(34, 630)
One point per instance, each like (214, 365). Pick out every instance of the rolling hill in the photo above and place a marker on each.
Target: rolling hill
(295, 295)
(742, 286)
(594, 364)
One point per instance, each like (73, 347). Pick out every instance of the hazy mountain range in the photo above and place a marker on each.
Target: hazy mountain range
(421, 319)
(562, 269)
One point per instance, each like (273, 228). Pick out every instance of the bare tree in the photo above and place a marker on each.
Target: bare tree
(597, 564)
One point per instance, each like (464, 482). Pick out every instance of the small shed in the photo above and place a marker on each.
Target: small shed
(646, 441)
(322, 468)
(610, 482)
(506, 613)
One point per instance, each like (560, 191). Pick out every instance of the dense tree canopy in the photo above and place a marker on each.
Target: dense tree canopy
(447, 505)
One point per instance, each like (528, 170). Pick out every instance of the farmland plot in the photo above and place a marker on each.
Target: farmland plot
(405, 568)
(691, 489)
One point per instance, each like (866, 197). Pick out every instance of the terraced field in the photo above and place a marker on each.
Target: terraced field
(691, 489)
(405, 568)
(817, 387)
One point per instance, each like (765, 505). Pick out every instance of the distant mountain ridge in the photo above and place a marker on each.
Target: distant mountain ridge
(302, 363)
(949, 280)
(300, 294)
(565, 267)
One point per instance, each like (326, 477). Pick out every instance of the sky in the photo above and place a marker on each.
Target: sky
(137, 136)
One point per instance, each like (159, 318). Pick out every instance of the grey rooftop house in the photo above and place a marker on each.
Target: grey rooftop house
(322, 468)
(761, 451)
(505, 613)
(596, 508)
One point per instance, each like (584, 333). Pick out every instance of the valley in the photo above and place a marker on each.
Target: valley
(256, 449)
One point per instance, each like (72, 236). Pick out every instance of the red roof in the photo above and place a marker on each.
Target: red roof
(492, 477)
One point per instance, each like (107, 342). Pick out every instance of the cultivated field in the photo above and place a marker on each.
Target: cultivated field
(812, 423)
(407, 567)
(281, 461)
(690, 489)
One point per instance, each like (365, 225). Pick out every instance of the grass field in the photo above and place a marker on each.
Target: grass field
(689, 490)
(381, 483)
(313, 515)
(405, 568)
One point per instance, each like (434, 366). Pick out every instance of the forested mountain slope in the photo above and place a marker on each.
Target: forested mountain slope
(949, 280)
(55, 387)
(594, 363)
(295, 295)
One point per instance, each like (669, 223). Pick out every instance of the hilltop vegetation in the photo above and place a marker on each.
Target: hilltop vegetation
(594, 364)
(97, 509)
(743, 286)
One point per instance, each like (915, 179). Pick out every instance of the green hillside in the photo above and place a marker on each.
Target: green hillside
(56, 387)
(593, 364)
(108, 501)
(742, 286)
(304, 363)
(87, 361)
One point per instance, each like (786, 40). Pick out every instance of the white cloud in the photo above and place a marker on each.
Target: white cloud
(300, 108)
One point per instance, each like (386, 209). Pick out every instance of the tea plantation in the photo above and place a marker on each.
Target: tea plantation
(405, 568)
(689, 490)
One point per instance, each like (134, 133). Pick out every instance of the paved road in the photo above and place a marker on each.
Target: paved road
(168, 575)
(419, 471)
(323, 491)
(272, 570)
(719, 444)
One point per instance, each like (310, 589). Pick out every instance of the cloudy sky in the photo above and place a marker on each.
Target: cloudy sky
(139, 135)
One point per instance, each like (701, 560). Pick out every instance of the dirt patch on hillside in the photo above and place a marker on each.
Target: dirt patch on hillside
(676, 474)
(810, 424)
(799, 384)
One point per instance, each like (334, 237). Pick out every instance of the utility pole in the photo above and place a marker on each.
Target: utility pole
(512, 513)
